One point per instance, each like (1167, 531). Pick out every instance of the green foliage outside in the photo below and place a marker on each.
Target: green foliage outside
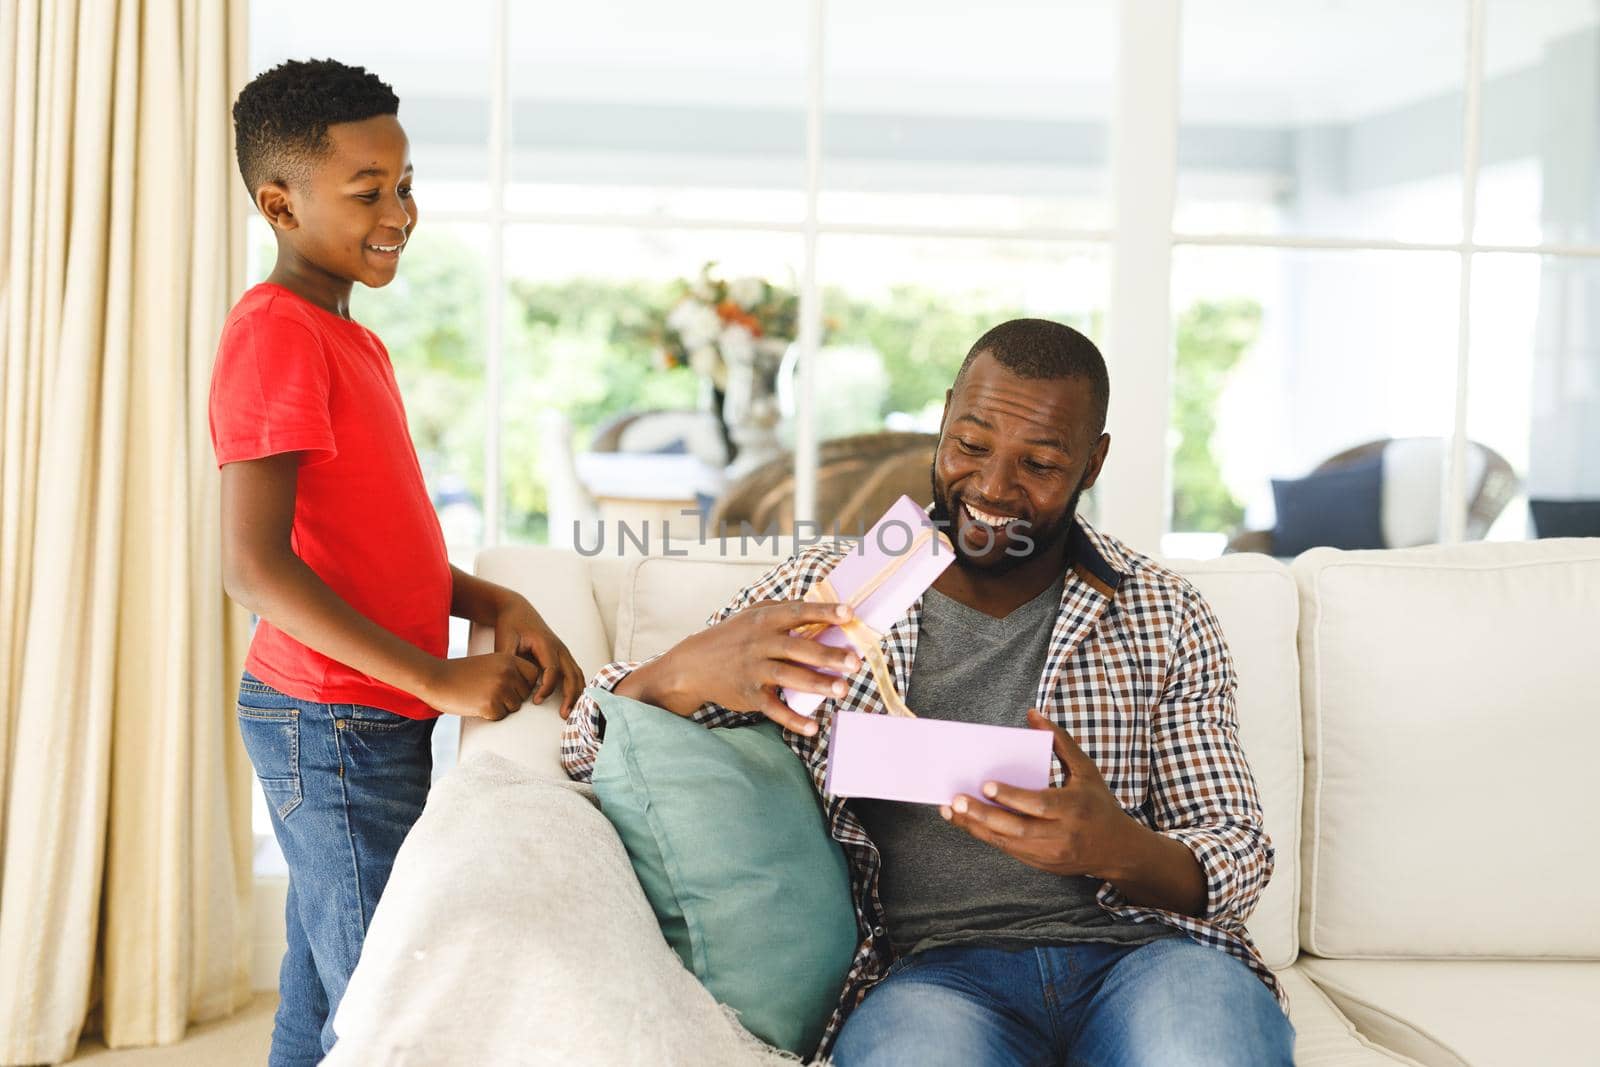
(433, 320)
(922, 336)
(1211, 339)
(586, 347)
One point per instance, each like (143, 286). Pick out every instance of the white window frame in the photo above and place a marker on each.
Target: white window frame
(1134, 495)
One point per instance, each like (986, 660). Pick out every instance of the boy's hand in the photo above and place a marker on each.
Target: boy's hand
(521, 631)
(490, 686)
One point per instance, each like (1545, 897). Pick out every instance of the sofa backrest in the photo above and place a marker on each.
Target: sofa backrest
(1452, 732)
(663, 600)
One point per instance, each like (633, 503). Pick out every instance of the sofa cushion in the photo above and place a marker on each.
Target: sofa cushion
(1255, 601)
(1322, 1036)
(727, 838)
(618, 570)
(1486, 1013)
(1413, 488)
(1450, 732)
(1565, 518)
(1340, 507)
(666, 598)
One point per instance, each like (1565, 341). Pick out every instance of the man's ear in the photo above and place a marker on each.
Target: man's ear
(945, 411)
(272, 200)
(1097, 460)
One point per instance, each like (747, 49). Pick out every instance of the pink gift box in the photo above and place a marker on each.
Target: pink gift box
(929, 761)
(883, 545)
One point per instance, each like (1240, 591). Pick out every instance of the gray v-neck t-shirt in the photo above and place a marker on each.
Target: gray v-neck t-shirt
(939, 885)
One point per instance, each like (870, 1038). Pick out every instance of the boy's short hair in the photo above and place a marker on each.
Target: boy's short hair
(281, 119)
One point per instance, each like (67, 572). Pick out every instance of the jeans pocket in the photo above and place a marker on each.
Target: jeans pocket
(379, 745)
(361, 717)
(272, 739)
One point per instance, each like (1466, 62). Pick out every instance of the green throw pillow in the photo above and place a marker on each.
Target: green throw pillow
(728, 839)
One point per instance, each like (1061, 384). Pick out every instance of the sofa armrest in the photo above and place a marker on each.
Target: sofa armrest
(513, 930)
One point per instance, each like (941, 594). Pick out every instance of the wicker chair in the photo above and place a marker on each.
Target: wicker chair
(1495, 489)
(858, 478)
(701, 432)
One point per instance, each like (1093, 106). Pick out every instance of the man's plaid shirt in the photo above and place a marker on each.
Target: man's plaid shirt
(1139, 674)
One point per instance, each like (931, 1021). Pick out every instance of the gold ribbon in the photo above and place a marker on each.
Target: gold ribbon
(867, 641)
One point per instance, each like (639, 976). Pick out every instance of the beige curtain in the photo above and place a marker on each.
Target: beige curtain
(124, 831)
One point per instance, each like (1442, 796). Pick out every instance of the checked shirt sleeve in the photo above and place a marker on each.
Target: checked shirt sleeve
(585, 728)
(1202, 792)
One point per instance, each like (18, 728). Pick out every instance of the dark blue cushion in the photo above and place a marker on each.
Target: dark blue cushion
(1341, 508)
(1565, 518)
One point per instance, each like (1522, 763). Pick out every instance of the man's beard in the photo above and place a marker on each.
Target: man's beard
(1046, 539)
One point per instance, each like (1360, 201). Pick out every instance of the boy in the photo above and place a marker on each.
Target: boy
(329, 535)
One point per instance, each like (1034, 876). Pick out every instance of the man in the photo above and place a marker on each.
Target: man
(1080, 923)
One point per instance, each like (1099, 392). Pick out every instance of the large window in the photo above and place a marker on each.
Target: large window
(1382, 238)
(574, 169)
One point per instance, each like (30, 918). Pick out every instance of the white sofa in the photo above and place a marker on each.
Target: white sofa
(1423, 725)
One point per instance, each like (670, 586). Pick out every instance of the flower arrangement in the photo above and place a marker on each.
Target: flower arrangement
(717, 324)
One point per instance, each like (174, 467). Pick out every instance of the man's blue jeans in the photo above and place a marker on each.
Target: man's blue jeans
(344, 783)
(1169, 1003)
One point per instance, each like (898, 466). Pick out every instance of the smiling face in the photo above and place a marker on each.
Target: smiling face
(351, 216)
(1014, 455)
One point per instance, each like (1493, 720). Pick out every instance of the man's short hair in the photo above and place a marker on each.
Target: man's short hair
(281, 119)
(1041, 349)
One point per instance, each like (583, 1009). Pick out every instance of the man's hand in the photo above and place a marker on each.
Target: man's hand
(740, 663)
(1081, 829)
(520, 631)
(1077, 829)
(490, 686)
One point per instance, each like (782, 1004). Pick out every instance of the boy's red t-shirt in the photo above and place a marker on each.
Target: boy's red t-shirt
(293, 377)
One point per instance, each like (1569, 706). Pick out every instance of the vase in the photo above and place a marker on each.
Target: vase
(750, 403)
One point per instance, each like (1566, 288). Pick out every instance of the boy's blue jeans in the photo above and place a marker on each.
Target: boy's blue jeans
(1172, 1003)
(344, 783)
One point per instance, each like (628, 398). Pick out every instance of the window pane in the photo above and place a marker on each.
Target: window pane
(585, 330)
(693, 109)
(261, 251)
(1534, 395)
(901, 314)
(439, 67)
(936, 117)
(1285, 360)
(431, 319)
(1312, 118)
(1541, 123)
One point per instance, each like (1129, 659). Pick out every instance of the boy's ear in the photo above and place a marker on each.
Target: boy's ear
(272, 199)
